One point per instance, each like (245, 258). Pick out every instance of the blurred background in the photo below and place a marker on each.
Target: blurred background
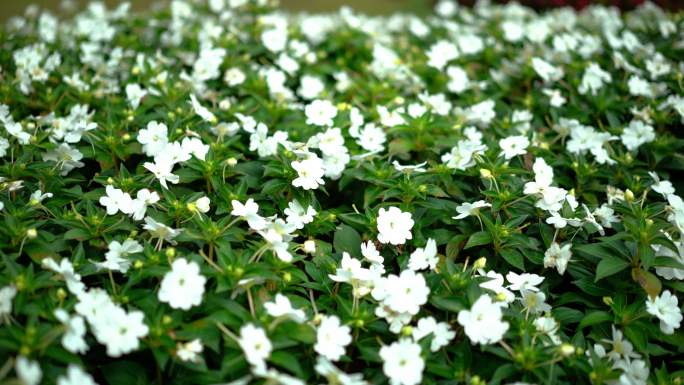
(9, 8)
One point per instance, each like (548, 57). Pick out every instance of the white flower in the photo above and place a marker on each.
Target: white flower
(66, 270)
(558, 257)
(281, 307)
(546, 71)
(441, 53)
(143, 198)
(513, 146)
(195, 146)
(202, 111)
(297, 216)
(7, 294)
(394, 226)
(310, 172)
(75, 376)
(466, 209)
(458, 79)
(73, 338)
(310, 87)
(593, 79)
(135, 93)
(621, 347)
(662, 187)
(663, 251)
(115, 258)
(666, 308)
(234, 77)
(534, 302)
(634, 372)
(422, 258)
(420, 167)
(330, 142)
(332, 338)
(190, 351)
(255, 344)
(636, 134)
(183, 286)
(496, 284)
(483, 323)
(405, 293)
(556, 98)
(162, 168)
(640, 87)
(202, 205)
(372, 138)
(119, 330)
(402, 362)
(320, 113)
(160, 230)
(524, 281)
(116, 200)
(248, 212)
(350, 269)
(441, 332)
(371, 254)
(335, 376)
(28, 371)
(154, 138)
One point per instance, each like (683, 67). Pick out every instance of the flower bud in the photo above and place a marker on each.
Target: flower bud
(480, 263)
(567, 350)
(309, 246)
(138, 264)
(61, 294)
(407, 330)
(166, 320)
(224, 104)
(317, 319)
(486, 174)
(231, 162)
(31, 233)
(608, 301)
(287, 277)
(629, 196)
(170, 252)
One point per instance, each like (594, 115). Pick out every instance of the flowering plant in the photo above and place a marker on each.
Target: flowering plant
(222, 193)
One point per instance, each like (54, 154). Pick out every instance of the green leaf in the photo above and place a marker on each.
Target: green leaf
(513, 257)
(610, 265)
(125, 373)
(289, 361)
(595, 317)
(478, 239)
(347, 239)
(449, 304)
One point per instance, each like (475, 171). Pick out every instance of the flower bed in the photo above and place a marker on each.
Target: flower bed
(222, 193)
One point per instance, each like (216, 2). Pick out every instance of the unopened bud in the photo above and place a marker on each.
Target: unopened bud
(567, 349)
(231, 162)
(407, 330)
(480, 263)
(309, 246)
(608, 301)
(287, 276)
(61, 294)
(31, 233)
(486, 174)
(629, 196)
(170, 252)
